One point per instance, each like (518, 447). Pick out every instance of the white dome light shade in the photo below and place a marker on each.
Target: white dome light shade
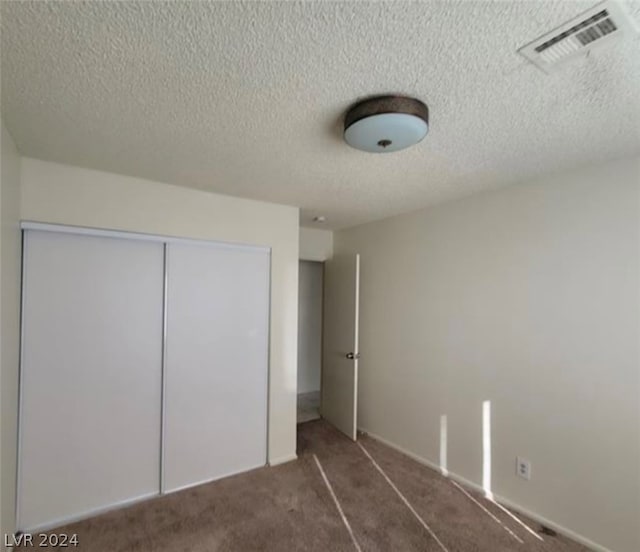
(386, 123)
(386, 132)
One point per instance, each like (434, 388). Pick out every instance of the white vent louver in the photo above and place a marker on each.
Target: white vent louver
(600, 25)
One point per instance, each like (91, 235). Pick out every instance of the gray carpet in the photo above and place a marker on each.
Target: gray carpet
(308, 406)
(289, 508)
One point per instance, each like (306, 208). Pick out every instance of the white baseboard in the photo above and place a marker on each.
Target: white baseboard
(211, 479)
(283, 459)
(59, 522)
(504, 501)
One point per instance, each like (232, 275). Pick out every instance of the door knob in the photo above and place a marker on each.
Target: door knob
(352, 356)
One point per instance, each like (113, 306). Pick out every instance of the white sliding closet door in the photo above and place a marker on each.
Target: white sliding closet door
(91, 375)
(216, 363)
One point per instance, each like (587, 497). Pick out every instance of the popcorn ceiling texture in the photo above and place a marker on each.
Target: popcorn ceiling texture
(247, 98)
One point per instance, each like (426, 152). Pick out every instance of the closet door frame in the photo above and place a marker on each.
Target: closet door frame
(136, 236)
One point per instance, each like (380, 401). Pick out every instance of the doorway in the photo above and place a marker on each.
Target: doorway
(310, 298)
(328, 319)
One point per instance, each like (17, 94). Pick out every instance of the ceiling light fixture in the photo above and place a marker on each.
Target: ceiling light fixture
(386, 123)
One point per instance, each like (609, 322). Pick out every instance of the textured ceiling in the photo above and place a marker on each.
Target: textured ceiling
(246, 98)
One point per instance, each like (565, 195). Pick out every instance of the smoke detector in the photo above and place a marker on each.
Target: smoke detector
(603, 24)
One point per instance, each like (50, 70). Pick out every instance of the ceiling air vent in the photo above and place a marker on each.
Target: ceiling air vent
(600, 25)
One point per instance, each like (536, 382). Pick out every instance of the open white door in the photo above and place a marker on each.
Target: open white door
(340, 343)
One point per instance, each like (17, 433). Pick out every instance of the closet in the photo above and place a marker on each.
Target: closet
(144, 368)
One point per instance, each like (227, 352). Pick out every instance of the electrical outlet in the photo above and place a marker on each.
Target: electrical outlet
(523, 468)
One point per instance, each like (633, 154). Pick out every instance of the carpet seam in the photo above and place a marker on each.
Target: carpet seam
(337, 503)
(404, 499)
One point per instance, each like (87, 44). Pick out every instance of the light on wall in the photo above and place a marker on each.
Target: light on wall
(386, 123)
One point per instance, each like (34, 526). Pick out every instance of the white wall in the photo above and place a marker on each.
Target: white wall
(10, 255)
(69, 195)
(528, 297)
(309, 326)
(316, 244)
